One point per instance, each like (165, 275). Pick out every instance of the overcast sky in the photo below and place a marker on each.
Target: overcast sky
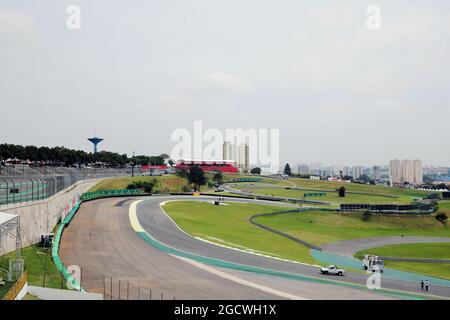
(339, 92)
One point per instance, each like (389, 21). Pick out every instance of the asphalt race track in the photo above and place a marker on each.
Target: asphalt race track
(102, 242)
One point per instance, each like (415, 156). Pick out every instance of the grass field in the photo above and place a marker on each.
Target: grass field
(444, 206)
(229, 225)
(167, 183)
(5, 288)
(277, 182)
(36, 260)
(319, 227)
(354, 187)
(416, 250)
(331, 196)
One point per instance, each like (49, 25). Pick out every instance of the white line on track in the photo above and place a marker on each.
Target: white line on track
(228, 247)
(240, 281)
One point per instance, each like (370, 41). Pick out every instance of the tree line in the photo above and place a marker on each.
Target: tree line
(61, 156)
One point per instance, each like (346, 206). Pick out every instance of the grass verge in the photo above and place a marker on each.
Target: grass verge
(37, 260)
(332, 196)
(319, 227)
(167, 183)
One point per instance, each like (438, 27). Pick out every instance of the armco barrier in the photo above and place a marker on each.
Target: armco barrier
(303, 242)
(57, 241)
(110, 193)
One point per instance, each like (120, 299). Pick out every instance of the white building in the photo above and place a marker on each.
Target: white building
(239, 153)
(357, 172)
(401, 171)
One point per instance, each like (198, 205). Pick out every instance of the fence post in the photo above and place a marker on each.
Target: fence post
(111, 289)
(119, 289)
(104, 288)
(128, 291)
(43, 282)
(81, 278)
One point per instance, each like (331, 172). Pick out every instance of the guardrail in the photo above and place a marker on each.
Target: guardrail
(288, 236)
(110, 193)
(17, 287)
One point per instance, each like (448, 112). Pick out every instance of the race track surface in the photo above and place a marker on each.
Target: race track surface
(101, 241)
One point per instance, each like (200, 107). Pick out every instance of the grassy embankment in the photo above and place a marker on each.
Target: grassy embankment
(37, 260)
(444, 206)
(324, 227)
(163, 184)
(375, 194)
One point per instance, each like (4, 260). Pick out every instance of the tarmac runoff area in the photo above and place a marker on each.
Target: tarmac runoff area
(165, 260)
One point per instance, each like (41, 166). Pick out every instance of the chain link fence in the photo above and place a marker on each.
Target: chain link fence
(111, 288)
(21, 184)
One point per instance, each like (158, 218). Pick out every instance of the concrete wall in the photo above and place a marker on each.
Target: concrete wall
(40, 217)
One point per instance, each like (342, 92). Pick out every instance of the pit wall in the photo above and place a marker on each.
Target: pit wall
(40, 217)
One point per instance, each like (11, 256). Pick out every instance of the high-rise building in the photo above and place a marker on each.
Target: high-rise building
(418, 172)
(239, 153)
(243, 157)
(401, 171)
(228, 153)
(347, 171)
(303, 169)
(376, 172)
(395, 171)
(357, 172)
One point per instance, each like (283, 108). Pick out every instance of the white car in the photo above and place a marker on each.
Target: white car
(331, 269)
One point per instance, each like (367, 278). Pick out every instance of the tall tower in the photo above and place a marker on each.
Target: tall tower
(95, 141)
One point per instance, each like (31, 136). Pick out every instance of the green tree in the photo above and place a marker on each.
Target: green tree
(442, 217)
(218, 177)
(287, 169)
(196, 177)
(147, 186)
(366, 216)
(341, 191)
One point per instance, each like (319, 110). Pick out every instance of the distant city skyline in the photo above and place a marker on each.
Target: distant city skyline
(339, 92)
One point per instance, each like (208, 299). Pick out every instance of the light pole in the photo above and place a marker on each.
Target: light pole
(132, 165)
